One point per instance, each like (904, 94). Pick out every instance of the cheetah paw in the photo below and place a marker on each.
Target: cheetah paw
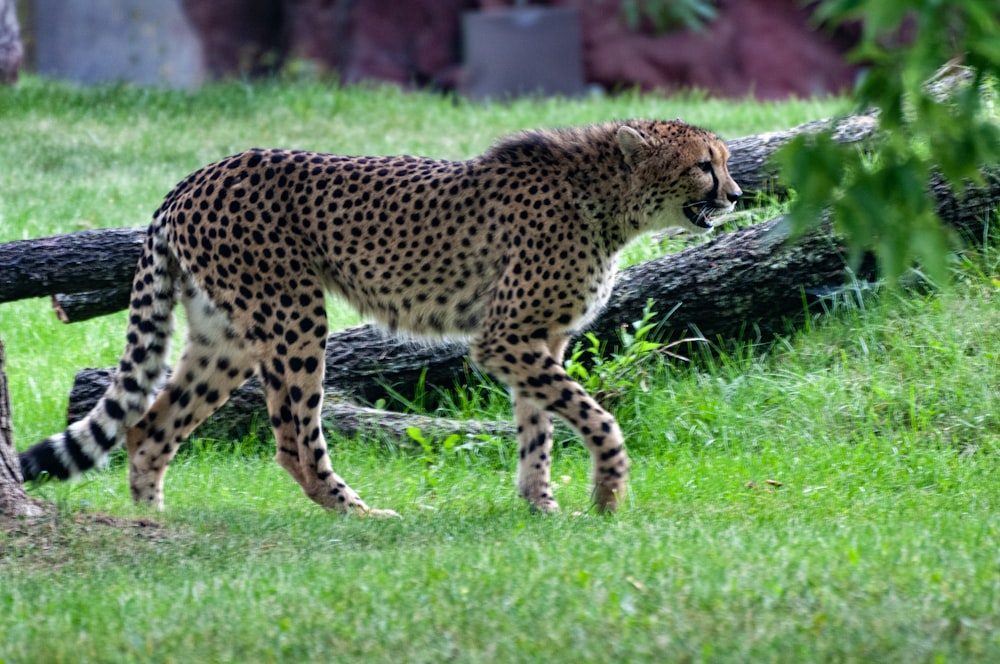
(607, 500)
(545, 506)
(380, 514)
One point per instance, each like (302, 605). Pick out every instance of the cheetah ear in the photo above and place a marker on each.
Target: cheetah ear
(632, 144)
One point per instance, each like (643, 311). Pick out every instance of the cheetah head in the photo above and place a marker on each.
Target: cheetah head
(679, 175)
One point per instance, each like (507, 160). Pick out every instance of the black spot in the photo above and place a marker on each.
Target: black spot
(613, 452)
(537, 442)
(114, 409)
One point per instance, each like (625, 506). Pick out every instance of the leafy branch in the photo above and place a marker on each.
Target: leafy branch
(934, 115)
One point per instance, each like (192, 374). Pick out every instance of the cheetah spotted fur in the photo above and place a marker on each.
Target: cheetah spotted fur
(514, 250)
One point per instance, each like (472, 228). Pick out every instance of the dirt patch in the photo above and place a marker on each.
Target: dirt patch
(58, 538)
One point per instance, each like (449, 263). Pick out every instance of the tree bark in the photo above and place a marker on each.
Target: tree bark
(246, 413)
(72, 263)
(11, 49)
(76, 307)
(14, 502)
(89, 273)
(750, 156)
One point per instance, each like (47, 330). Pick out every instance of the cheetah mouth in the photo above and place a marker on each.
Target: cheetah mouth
(700, 213)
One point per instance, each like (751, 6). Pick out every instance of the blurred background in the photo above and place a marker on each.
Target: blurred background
(767, 49)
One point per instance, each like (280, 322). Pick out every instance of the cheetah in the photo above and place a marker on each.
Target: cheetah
(514, 250)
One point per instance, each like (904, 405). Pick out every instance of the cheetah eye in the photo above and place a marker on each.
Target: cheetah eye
(705, 166)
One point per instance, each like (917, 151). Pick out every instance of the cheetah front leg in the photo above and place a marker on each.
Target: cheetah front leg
(534, 455)
(538, 378)
(534, 438)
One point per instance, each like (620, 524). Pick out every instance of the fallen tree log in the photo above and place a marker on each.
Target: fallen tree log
(367, 367)
(89, 274)
(245, 413)
(749, 282)
(76, 307)
(750, 156)
(83, 261)
(752, 281)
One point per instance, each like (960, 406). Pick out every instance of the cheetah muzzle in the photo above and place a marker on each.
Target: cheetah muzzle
(700, 213)
(514, 250)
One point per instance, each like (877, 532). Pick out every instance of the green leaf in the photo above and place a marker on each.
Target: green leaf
(879, 201)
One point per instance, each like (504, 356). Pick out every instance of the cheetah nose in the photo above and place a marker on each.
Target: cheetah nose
(734, 196)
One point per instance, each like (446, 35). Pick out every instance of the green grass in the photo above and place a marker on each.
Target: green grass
(830, 497)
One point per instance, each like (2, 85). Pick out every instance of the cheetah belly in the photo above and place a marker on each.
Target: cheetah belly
(450, 313)
(423, 299)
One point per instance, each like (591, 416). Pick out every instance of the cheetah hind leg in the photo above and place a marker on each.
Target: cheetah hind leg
(201, 383)
(301, 448)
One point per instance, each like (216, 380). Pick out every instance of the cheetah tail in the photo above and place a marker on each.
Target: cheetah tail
(87, 442)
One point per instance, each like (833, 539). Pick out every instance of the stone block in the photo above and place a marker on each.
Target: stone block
(100, 41)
